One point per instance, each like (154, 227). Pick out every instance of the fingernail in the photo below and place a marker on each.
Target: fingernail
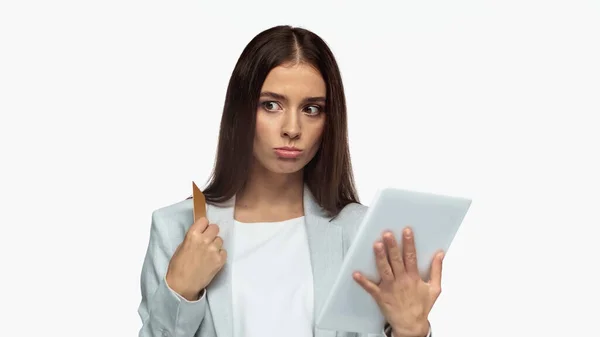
(407, 232)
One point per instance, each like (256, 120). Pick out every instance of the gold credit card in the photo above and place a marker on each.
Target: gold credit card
(199, 202)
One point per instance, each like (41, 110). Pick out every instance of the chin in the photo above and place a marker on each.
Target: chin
(286, 168)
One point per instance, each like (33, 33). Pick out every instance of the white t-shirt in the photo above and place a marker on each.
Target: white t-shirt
(272, 280)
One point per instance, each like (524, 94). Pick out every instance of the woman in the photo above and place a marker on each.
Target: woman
(282, 208)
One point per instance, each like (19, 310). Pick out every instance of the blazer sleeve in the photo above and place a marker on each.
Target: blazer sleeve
(387, 331)
(163, 312)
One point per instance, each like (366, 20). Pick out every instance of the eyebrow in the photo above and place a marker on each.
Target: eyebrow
(283, 98)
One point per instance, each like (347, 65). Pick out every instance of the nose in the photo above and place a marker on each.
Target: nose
(291, 126)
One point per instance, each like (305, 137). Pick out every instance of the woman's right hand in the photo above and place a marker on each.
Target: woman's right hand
(197, 260)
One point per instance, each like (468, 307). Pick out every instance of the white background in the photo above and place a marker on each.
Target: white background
(111, 108)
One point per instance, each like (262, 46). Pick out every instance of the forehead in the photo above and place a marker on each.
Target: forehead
(298, 80)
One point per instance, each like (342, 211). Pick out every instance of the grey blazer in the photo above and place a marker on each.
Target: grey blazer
(166, 314)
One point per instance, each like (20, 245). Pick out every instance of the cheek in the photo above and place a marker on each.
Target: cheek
(261, 127)
(265, 128)
(317, 134)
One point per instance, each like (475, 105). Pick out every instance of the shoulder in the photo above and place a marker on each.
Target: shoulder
(181, 211)
(171, 222)
(351, 213)
(349, 219)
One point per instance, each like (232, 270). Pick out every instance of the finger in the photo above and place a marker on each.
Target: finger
(223, 254)
(218, 242)
(195, 231)
(394, 254)
(210, 233)
(409, 252)
(435, 279)
(200, 225)
(368, 285)
(381, 260)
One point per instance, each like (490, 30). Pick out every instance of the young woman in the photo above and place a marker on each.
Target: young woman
(283, 210)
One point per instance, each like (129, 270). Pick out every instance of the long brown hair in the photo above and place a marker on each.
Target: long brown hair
(329, 174)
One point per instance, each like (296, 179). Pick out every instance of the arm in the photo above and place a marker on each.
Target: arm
(165, 313)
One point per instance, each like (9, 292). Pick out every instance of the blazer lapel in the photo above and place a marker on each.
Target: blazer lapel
(325, 243)
(219, 292)
(326, 253)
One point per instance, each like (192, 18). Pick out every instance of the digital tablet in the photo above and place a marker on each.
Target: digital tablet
(434, 218)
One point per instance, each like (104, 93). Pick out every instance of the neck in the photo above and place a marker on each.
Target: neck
(266, 189)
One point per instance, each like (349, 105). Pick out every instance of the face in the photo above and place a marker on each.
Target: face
(290, 118)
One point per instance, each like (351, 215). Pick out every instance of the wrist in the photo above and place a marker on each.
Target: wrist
(419, 330)
(189, 295)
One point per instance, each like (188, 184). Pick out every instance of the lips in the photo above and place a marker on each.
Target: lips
(288, 152)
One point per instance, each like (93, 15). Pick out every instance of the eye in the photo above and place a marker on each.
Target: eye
(271, 106)
(313, 110)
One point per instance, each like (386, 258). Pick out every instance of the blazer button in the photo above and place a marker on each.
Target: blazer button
(165, 333)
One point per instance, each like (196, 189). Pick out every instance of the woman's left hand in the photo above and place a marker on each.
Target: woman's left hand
(403, 297)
